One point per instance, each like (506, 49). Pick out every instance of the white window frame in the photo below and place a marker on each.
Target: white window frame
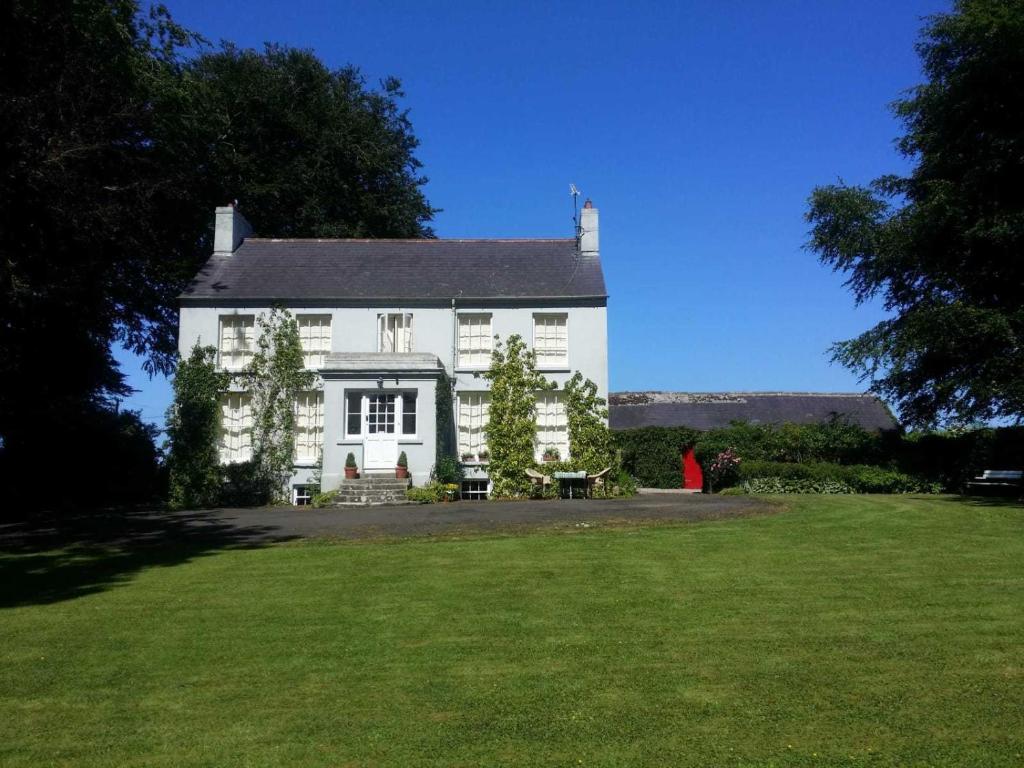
(315, 338)
(475, 348)
(552, 416)
(400, 402)
(226, 358)
(472, 415)
(235, 439)
(403, 323)
(544, 360)
(309, 407)
(302, 491)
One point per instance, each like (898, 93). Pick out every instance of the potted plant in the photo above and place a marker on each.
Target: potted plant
(551, 454)
(484, 455)
(351, 470)
(451, 491)
(402, 470)
(467, 457)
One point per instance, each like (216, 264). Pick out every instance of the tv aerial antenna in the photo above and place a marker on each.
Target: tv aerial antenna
(574, 193)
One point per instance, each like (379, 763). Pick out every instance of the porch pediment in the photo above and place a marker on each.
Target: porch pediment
(341, 364)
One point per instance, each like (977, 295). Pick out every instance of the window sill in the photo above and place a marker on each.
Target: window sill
(554, 369)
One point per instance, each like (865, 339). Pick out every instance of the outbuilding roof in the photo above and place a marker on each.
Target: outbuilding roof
(309, 269)
(712, 410)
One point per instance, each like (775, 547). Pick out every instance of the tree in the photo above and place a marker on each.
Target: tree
(115, 147)
(511, 429)
(275, 378)
(590, 440)
(193, 430)
(942, 246)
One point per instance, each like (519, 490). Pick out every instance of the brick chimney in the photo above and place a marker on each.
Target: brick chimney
(588, 229)
(231, 229)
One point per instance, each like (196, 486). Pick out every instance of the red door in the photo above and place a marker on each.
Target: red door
(693, 478)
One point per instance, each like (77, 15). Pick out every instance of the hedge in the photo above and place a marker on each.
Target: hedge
(858, 478)
(919, 460)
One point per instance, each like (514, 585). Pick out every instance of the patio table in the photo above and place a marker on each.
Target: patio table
(568, 478)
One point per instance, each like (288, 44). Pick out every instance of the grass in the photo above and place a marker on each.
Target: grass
(843, 631)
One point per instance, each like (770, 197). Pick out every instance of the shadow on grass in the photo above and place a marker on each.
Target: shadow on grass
(1007, 502)
(48, 560)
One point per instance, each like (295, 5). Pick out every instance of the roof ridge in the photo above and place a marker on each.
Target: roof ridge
(411, 239)
(762, 393)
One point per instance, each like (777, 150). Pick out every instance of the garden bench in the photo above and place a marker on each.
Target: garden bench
(998, 481)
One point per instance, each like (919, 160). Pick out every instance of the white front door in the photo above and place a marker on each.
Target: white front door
(380, 441)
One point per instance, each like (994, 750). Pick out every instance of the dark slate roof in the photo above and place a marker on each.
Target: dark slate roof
(399, 269)
(712, 410)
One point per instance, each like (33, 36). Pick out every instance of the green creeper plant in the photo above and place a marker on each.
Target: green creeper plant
(275, 377)
(590, 440)
(193, 430)
(511, 429)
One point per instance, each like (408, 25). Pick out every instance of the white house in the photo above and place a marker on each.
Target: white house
(386, 323)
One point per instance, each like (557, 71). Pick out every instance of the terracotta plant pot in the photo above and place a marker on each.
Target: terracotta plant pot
(351, 473)
(401, 473)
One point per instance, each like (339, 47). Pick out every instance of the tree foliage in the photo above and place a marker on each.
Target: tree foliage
(942, 246)
(511, 429)
(119, 134)
(275, 378)
(193, 431)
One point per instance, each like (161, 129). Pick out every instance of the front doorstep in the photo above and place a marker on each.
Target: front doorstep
(372, 489)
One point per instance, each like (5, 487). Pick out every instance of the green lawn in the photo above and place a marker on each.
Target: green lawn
(853, 631)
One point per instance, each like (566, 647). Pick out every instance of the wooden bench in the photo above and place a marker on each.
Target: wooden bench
(998, 481)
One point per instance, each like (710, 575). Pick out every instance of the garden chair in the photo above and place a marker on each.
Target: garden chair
(538, 478)
(601, 478)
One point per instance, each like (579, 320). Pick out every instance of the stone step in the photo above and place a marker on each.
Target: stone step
(392, 485)
(369, 496)
(353, 504)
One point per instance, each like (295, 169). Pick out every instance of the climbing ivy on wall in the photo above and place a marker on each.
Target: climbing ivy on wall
(275, 377)
(193, 430)
(511, 429)
(445, 438)
(590, 440)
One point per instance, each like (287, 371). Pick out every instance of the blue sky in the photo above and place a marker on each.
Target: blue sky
(697, 128)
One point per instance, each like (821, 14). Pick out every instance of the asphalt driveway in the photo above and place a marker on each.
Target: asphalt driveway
(264, 525)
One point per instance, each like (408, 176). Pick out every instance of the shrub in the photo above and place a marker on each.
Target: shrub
(427, 494)
(779, 485)
(621, 484)
(723, 469)
(447, 470)
(325, 499)
(243, 485)
(350, 461)
(859, 477)
(403, 460)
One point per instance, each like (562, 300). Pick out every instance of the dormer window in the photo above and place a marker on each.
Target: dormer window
(394, 332)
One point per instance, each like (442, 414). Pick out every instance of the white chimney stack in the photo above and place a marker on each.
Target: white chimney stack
(588, 229)
(231, 229)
